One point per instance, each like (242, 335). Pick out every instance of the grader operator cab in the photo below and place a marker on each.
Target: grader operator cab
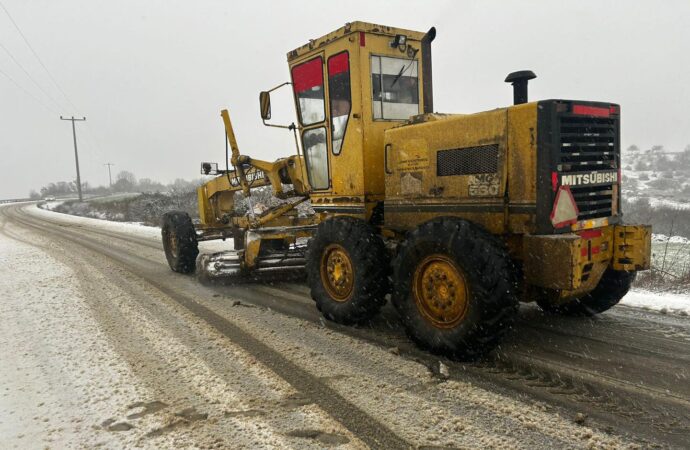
(456, 216)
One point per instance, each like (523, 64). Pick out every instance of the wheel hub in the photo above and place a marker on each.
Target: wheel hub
(440, 291)
(337, 273)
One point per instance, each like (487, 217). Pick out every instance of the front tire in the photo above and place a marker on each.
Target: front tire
(611, 289)
(454, 288)
(347, 270)
(179, 241)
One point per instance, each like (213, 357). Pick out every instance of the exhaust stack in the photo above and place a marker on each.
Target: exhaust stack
(519, 81)
(426, 70)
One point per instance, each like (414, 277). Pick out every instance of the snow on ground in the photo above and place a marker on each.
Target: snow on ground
(672, 240)
(51, 205)
(131, 228)
(118, 227)
(658, 202)
(658, 301)
(65, 380)
(58, 374)
(69, 380)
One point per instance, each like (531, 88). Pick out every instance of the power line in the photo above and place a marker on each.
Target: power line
(29, 75)
(37, 57)
(50, 75)
(52, 78)
(94, 141)
(29, 93)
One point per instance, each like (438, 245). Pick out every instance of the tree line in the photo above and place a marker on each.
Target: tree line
(124, 182)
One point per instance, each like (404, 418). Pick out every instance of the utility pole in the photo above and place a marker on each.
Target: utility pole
(110, 177)
(76, 155)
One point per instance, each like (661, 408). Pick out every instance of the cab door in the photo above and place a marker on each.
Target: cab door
(310, 96)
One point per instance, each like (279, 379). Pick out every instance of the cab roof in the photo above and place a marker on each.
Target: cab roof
(349, 28)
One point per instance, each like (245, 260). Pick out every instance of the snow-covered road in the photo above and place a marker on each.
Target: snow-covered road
(103, 346)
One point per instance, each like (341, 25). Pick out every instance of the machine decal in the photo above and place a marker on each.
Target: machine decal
(251, 175)
(581, 179)
(413, 159)
(483, 185)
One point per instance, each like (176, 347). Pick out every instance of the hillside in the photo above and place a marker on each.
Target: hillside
(661, 176)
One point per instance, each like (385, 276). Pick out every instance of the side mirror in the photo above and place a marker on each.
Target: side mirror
(265, 104)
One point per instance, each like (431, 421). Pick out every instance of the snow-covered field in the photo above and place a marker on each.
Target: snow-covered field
(671, 255)
(660, 202)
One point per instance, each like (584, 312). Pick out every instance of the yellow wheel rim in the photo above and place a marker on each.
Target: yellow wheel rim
(440, 291)
(337, 273)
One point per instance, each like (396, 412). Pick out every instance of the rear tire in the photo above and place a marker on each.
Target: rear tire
(454, 288)
(611, 289)
(179, 241)
(347, 270)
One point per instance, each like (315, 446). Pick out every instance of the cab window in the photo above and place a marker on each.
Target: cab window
(340, 98)
(395, 87)
(316, 156)
(307, 79)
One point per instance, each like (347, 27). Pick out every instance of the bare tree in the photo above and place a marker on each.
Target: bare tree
(126, 181)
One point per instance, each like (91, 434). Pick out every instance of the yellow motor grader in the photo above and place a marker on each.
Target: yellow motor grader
(457, 216)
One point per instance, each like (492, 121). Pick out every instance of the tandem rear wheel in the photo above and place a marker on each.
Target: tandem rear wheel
(453, 283)
(453, 288)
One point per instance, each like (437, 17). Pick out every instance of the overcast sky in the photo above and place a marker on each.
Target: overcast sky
(152, 76)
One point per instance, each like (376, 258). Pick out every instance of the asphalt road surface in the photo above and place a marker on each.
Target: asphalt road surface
(104, 345)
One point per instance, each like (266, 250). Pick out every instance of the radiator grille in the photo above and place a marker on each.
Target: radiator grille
(467, 161)
(588, 144)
